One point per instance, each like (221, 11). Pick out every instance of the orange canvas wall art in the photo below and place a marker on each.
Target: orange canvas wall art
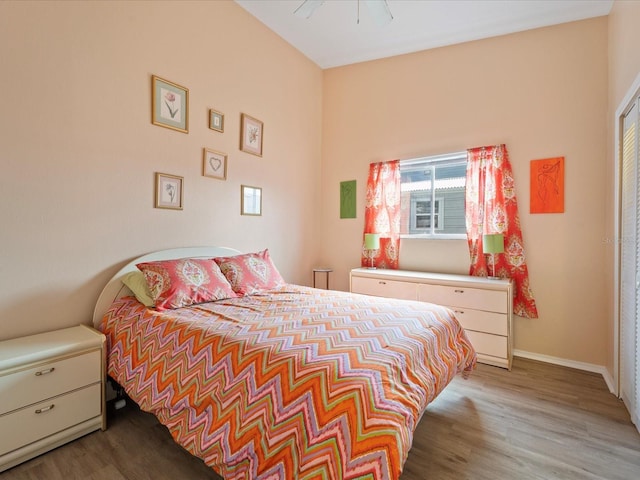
(547, 185)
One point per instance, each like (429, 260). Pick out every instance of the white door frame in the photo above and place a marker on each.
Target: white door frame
(629, 97)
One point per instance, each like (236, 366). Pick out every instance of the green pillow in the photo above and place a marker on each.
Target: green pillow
(138, 285)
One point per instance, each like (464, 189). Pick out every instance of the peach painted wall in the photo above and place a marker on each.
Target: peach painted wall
(624, 68)
(79, 152)
(544, 94)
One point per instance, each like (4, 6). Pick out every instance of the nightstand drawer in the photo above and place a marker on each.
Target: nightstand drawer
(481, 321)
(51, 416)
(49, 379)
(461, 296)
(384, 288)
(485, 343)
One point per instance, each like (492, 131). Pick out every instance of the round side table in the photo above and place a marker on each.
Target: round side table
(326, 271)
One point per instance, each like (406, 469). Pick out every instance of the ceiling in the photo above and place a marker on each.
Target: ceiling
(333, 37)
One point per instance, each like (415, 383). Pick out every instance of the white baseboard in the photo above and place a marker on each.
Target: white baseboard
(588, 367)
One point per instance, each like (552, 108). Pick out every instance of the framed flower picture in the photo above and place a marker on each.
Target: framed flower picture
(214, 164)
(169, 105)
(251, 130)
(169, 191)
(216, 120)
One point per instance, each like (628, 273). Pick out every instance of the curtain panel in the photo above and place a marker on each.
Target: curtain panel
(491, 207)
(382, 214)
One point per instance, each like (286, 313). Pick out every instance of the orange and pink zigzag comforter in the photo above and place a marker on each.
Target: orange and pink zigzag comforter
(296, 383)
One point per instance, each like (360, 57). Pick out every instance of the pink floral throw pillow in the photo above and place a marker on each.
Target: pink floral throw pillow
(186, 281)
(250, 273)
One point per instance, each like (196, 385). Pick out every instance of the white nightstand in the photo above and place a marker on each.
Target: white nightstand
(51, 391)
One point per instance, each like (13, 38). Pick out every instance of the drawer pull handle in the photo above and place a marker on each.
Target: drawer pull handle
(461, 312)
(45, 409)
(382, 283)
(44, 372)
(459, 291)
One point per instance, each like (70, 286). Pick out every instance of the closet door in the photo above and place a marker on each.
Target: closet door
(630, 267)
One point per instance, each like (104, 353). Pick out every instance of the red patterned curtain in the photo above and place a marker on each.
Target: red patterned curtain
(382, 213)
(491, 207)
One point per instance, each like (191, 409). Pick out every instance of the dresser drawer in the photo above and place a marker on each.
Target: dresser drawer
(384, 288)
(49, 379)
(479, 299)
(483, 306)
(27, 425)
(481, 321)
(485, 343)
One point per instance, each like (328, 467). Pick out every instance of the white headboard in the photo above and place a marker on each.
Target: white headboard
(115, 289)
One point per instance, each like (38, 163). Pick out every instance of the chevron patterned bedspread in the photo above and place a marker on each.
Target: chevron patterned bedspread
(295, 383)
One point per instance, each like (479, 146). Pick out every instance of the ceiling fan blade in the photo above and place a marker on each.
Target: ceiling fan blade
(379, 11)
(306, 8)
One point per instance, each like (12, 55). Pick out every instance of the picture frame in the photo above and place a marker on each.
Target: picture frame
(348, 199)
(216, 120)
(251, 133)
(214, 164)
(169, 105)
(546, 187)
(169, 191)
(250, 200)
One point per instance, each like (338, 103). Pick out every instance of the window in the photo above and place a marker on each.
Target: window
(432, 200)
(421, 214)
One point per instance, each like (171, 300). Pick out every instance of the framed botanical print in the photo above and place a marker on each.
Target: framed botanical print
(169, 105)
(169, 191)
(251, 130)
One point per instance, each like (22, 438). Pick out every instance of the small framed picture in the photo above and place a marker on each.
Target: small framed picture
(214, 164)
(169, 191)
(547, 185)
(251, 130)
(250, 200)
(216, 121)
(169, 105)
(348, 199)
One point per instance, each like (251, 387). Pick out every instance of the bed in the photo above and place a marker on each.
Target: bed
(285, 382)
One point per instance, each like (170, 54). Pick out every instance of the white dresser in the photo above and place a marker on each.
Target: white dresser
(51, 391)
(484, 307)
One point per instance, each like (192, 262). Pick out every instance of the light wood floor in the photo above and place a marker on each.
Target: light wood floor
(538, 421)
